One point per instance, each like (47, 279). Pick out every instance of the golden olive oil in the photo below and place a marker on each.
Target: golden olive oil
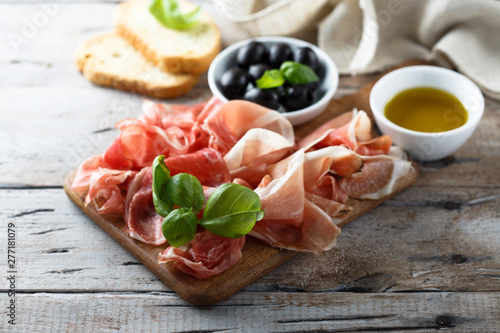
(426, 110)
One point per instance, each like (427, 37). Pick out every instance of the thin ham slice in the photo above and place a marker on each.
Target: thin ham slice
(83, 173)
(206, 255)
(207, 165)
(143, 221)
(377, 177)
(162, 129)
(167, 115)
(321, 132)
(138, 144)
(332, 208)
(106, 190)
(102, 187)
(228, 122)
(291, 221)
(354, 133)
(249, 158)
(321, 165)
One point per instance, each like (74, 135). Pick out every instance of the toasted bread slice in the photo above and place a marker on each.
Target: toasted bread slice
(108, 60)
(176, 51)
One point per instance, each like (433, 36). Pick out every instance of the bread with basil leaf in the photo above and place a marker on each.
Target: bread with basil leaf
(187, 45)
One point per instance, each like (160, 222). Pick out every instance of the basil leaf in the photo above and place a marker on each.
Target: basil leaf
(231, 211)
(179, 227)
(270, 79)
(296, 73)
(185, 190)
(161, 175)
(167, 12)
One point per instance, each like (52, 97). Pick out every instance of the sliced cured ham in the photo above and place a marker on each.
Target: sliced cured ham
(291, 221)
(377, 177)
(303, 194)
(206, 255)
(332, 208)
(138, 144)
(254, 152)
(143, 221)
(102, 187)
(83, 173)
(321, 165)
(354, 133)
(168, 115)
(228, 122)
(106, 190)
(283, 197)
(321, 132)
(207, 165)
(378, 146)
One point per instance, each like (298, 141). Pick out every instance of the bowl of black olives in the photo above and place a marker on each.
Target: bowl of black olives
(285, 74)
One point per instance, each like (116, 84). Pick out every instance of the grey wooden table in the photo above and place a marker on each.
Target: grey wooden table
(427, 259)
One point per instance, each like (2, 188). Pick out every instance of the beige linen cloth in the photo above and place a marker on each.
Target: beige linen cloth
(370, 35)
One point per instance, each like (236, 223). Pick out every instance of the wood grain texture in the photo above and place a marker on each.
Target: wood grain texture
(424, 239)
(262, 312)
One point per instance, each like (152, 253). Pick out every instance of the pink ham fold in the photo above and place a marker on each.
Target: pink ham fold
(206, 255)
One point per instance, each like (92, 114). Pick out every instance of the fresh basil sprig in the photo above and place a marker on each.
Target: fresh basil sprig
(231, 211)
(271, 79)
(179, 227)
(161, 175)
(292, 72)
(185, 191)
(296, 73)
(167, 12)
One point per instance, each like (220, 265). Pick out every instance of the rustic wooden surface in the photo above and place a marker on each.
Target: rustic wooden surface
(427, 259)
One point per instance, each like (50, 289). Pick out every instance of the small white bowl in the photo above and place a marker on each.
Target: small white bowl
(420, 145)
(328, 74)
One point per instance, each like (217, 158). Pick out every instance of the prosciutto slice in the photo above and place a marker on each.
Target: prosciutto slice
(103, 188)
(321, 165)
(138, 144)
(291, 221)
(206, 255)
(143, 221)
(354, 133)
(254, 152)
(377, 177)
(81, 180)
(207, 165)
(228, 122)
(168, 115)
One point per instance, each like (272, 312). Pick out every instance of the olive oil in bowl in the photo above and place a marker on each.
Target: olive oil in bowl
(427, 110)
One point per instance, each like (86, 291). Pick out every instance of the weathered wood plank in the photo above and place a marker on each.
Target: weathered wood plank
(260, 312)
(445, 239)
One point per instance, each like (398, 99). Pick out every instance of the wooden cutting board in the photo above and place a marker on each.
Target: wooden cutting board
(258, 258)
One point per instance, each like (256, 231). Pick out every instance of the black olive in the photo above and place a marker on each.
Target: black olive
(306, 56)
(280, 92)
(251, 53)
(298, 97)
(312, 85)
(279, 53)
(256, 71)
(264, 97)
(234, 82)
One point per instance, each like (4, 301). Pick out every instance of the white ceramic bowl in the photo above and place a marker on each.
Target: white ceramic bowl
(420, 145)
(328, 74)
